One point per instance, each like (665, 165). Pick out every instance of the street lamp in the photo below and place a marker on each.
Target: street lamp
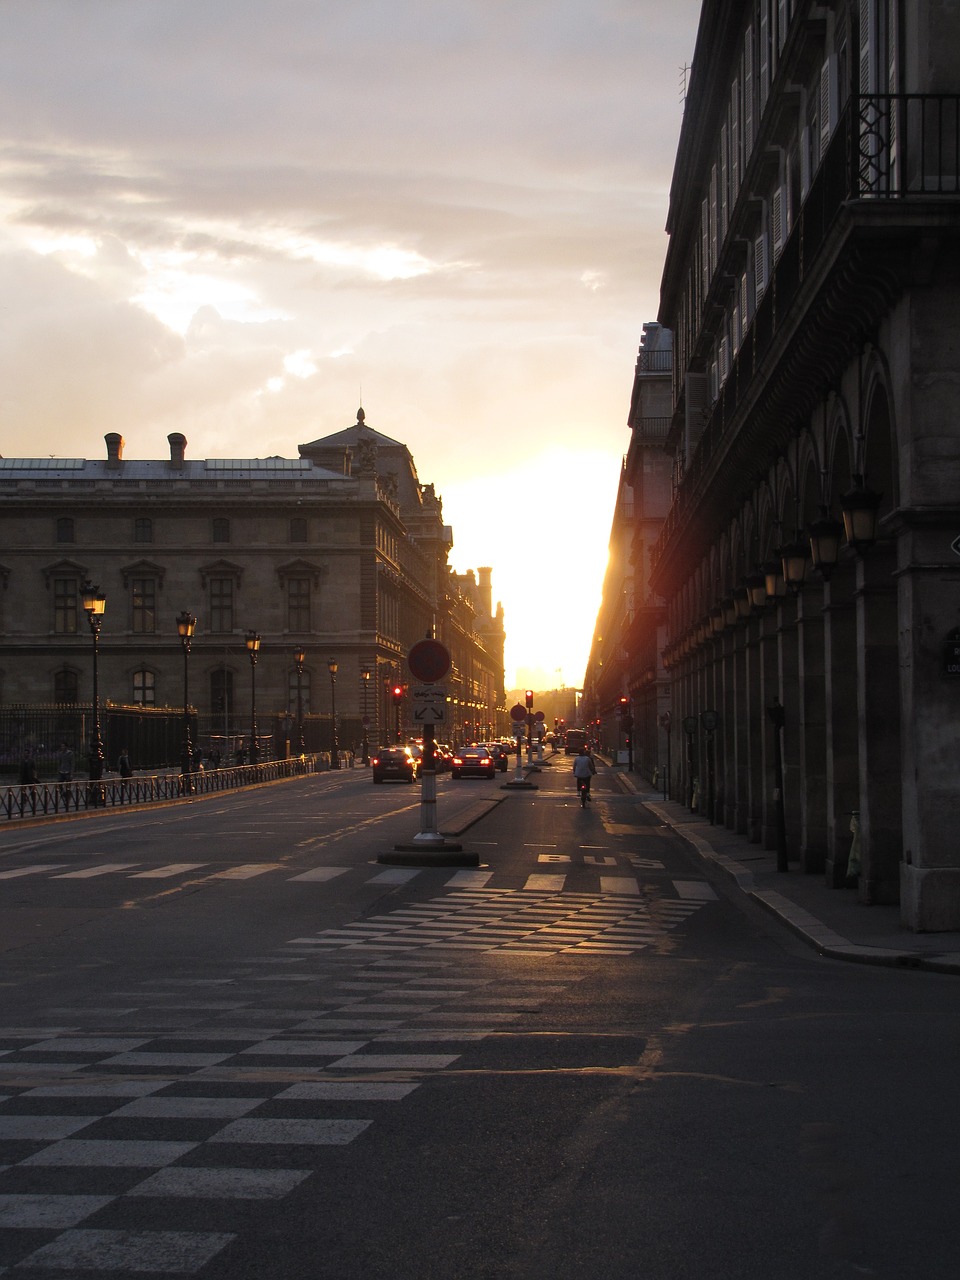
(334, 744)
(298, 660)
(94, 603)
(365, 677)
(186, 626)
(253, 648)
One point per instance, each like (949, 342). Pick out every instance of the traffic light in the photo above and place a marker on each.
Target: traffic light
(624, 704)
(396, 693)
(529, 698)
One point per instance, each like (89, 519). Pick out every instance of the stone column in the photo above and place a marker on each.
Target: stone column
(929, 586)
(840, 705)
(769, 671)
(812, 782)
(878, 691)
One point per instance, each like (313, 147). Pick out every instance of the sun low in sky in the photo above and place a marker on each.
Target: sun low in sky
(240, 219)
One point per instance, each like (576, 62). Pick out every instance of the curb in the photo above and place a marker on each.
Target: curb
(824, 940)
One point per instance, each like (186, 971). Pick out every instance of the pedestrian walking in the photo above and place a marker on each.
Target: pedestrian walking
(65, 763)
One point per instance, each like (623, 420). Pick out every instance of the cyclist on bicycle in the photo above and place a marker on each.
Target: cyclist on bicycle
(583, 770)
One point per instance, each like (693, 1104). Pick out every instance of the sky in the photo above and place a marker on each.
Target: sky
(242, 219)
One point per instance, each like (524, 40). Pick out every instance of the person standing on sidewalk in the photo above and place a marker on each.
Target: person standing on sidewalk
(583, 770)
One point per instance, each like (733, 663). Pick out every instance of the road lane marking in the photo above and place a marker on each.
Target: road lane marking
(696, 889)
(545, 883)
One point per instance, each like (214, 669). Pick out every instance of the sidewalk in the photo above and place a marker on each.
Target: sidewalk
(832, 921)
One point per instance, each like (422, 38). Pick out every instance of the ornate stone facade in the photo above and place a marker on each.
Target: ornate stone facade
(340, 553)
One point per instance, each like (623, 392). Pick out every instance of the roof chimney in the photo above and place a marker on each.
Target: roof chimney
(115, 444)
(178, 444)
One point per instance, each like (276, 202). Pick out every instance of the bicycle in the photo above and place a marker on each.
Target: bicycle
(583, 787)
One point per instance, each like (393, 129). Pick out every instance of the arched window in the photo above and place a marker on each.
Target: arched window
(65, 530)
(221, 529)
(298, 529)
(143, 529)
(65, 686)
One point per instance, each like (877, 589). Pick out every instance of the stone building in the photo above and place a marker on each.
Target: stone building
(811, 283)
(626, 689)
(340, 553)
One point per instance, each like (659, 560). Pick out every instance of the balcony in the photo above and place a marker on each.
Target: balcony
(889, 175)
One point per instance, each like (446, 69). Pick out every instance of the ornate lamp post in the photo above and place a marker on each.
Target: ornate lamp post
(334, 744)
(94, 603)
(365, 677)
(186, 626)
(253, 648)
(298, 660)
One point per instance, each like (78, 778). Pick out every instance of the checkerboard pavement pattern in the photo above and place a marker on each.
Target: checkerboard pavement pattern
(226, 1091)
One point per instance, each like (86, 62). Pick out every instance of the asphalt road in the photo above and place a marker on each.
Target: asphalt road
(233, 1044)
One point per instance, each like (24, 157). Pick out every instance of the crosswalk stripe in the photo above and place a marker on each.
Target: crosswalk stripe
(31, 871)
(619, 884)
(545, 883)
(321, 874)
(697, 889)
(171, 869)
(247, 871)
(90, 872)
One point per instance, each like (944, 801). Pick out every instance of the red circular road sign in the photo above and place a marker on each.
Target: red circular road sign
(428, 660)
(518, 713)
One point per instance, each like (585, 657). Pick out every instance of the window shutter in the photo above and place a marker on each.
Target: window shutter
(828, 102)
(697, 403)
(760, 265)
(778, 210)
(747, 93)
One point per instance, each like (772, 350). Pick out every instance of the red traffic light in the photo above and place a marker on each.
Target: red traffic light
(528, 697)
(396, 692)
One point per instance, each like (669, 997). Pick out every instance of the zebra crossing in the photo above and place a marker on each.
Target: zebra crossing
(232, 1090)
(610, 879)
(546, 922)
(96, 1123)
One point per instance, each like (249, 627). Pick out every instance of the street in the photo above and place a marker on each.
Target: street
(234, 1045)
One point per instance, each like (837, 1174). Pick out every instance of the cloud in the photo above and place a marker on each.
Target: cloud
(227, 218)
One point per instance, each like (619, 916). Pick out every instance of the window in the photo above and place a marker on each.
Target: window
(221, 604)
(65, 686)
(143, 529)
(221, 696)
(65, 606)
(144, 604)
(144, 688)
(221, 529)
(304, 692)
(298, 604)
(65, 530)
(298, 529)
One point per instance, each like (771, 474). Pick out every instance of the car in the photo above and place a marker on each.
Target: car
(473, 762)
(398, 763)
(501, 754)
(441, 758)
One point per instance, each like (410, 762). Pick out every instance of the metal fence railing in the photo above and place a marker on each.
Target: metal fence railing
(52, 799)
